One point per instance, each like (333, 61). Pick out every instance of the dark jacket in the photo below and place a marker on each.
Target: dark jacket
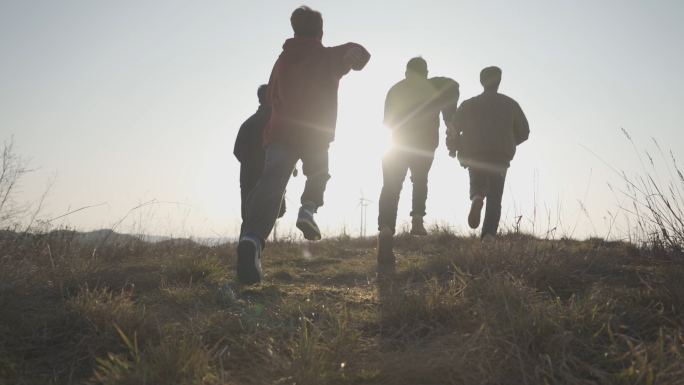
(491, 126)
(303, 91)
(412, 110)
(249, 148)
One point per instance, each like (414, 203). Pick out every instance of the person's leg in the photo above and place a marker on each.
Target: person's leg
(244, 193)
(283, 206)
(263, 205)
(248, 180)
(315, 168)
(478, 191)
(394, 169)
(419, 164)
(478, 182)
(495, 186)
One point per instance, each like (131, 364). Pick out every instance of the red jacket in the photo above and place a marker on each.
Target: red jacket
(302, 91)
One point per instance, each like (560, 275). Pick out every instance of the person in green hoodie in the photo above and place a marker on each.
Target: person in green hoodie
(302, 92)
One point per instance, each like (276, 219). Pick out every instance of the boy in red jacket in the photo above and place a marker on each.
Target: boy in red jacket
(302, 92)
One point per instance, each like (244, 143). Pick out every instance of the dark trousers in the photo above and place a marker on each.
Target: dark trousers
(395, 165)
(488, 183)
(249, 180)
(263, 203)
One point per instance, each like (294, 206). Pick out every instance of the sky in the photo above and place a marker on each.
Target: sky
(131, 102)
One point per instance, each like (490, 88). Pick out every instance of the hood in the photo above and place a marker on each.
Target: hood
(298, 48)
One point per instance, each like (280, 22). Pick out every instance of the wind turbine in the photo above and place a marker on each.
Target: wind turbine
(363, 203)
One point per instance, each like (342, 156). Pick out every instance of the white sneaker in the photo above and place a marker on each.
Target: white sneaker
(249, 260)
(306, 223)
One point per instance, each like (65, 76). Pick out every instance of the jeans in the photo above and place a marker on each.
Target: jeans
(395, 165)
(263, 202)
(489, 183)
(249, 180)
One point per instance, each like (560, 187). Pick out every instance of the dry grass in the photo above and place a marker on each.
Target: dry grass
(525, 311)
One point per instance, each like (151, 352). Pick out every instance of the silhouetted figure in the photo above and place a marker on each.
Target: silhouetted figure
(249, 150)
(488, 128)
(302, 91)
(412, 109)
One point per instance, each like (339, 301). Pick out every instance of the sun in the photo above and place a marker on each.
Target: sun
(379, 140)
(361, 134)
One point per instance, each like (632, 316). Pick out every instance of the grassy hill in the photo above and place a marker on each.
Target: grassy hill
(525, 311)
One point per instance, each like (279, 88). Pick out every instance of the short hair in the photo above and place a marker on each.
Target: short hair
(306, 22)
(490, 76)
(261, 93)
(418, 65)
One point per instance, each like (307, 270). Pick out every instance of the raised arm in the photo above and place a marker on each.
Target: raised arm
(448, 97)
(356, 57)
(350, 56)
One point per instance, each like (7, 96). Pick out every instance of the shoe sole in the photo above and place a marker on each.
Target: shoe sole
(309, 229)
(418, 232)
(247, 271)
(475, 212)
(385, 253)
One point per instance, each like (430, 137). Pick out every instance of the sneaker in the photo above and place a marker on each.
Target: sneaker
(417, 227)
(475, 211)
(249, 260)
(385, 245)
(306, 223)
(488, 239)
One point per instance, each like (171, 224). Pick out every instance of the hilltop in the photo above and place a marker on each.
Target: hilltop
(523, 311)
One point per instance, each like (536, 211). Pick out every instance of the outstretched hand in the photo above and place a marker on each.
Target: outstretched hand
(353, 56)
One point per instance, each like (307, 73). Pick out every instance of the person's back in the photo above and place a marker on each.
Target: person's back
(410, 112)
(493, 125)
(249, 144)
(303, 90)
(412, 109)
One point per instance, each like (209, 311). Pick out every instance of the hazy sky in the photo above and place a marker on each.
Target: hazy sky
(131, 101)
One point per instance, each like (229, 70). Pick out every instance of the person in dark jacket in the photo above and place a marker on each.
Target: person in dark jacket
(487, 129)
(249, 150)
(302, 92)
(412, 109)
